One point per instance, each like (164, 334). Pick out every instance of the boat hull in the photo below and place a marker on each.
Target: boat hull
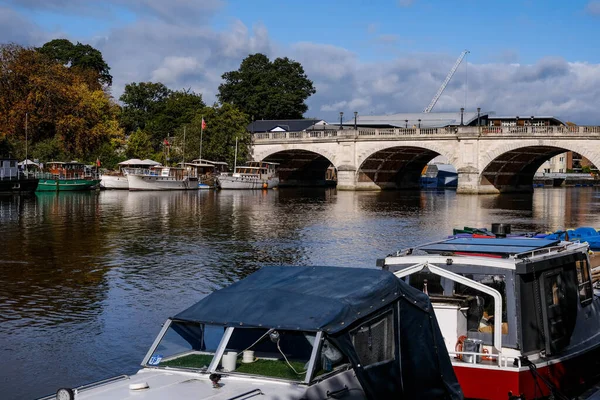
(246, 183)
(23, 185)
(153, 182)
(119, 182)
(60, 185)
(570, 375)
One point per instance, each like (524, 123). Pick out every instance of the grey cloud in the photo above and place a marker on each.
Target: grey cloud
(174, 11)
(593, 7)
(547, 68)
(15, 28)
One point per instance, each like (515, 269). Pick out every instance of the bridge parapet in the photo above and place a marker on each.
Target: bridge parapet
(362, 134)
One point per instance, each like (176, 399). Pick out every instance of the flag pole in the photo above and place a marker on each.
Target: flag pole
(183, 162)
(201, 132)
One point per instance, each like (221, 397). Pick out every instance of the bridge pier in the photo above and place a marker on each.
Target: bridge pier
(346, 177)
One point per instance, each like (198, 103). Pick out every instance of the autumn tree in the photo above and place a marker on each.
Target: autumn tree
(224, 123)
(79, 56)
(66, 116)
(267, 90)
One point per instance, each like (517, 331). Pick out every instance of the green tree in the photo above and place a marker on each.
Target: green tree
(139, 145)
(141, 103)
(157, 110)
(79, 56)
(224, 123)
(267, 90)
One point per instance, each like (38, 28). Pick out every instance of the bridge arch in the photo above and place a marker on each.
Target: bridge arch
(396, 166)
(300, 167)
(512, 165)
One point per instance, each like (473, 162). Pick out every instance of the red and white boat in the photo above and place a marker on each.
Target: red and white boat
(519, 315)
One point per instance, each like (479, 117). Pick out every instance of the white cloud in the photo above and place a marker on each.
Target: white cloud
(196, 55)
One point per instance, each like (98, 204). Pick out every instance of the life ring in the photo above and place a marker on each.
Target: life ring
(459, 346)
(486, 351)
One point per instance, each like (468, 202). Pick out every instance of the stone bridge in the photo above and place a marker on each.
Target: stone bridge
(487, 159)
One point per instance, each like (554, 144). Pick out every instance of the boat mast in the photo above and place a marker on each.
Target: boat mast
(201, 132)
(235, 157)
(26, 162)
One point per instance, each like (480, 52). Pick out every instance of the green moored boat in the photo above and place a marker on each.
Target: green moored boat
(67, 176)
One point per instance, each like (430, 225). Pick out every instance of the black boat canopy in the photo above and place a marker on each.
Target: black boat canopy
(302, 298)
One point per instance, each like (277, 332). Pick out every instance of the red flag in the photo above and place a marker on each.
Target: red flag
(166, 142)
(97, 162)
(203, 124)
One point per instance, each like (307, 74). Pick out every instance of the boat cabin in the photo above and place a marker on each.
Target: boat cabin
(9, 168)
(504, 303)
(133, 164)
(297, 333)
(69, 170)
(257, 168)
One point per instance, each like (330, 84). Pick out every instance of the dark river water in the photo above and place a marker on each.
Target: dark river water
(88, 278)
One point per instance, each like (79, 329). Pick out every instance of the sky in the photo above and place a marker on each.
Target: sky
(526, 57)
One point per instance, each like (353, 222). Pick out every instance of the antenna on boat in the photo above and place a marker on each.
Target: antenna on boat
(183, 161)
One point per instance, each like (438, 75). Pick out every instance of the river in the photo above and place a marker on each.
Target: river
(88, 278)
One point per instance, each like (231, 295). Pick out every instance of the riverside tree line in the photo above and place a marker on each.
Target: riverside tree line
(58, 97)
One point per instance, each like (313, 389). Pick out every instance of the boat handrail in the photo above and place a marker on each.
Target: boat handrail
(497, 336)
(502, 360)
(253, 392)
(546, 250)
(90, 386)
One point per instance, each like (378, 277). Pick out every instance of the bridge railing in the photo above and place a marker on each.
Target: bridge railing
(401, 133)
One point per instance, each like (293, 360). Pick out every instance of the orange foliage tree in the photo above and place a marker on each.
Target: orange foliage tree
(60, 104)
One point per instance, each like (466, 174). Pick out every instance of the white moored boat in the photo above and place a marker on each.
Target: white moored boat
(118, 179)
(310, 333)
(162, 178)
(255, 175)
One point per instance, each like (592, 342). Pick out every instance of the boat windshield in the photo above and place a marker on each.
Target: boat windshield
(269, 353)
(187, 345)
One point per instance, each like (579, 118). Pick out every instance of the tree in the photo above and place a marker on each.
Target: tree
(79, 56)
(66, 116)
(157, 110)
(224, 123)
(139, 145)
(267, 90)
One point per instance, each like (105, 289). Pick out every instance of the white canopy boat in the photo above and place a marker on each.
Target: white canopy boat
(162, 178)
(295, 333)
(118, 179)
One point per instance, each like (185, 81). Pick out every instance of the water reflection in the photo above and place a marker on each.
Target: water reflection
(88, 277)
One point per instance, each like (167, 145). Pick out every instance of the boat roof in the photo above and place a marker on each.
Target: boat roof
(496, 246)
(65, 163)
(137, 161)
(301, 298)
(209, 162)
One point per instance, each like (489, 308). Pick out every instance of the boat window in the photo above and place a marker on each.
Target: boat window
(330, 359)
(267, 352)
(480, 315)
(187, 345)
(584, 281)
(374, 340)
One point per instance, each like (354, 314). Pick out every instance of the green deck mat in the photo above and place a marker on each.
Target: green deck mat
(273, 368)
(191, 361)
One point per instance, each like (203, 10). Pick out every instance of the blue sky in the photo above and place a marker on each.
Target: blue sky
(526, 56)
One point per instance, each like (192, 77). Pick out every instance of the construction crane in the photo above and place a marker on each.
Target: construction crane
(441, 89)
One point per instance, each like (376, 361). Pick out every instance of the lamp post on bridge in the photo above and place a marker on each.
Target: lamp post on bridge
(341, 116)
(406, 124)
(478, 115)
(419, 123)
(355, 115)
(462, 112)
